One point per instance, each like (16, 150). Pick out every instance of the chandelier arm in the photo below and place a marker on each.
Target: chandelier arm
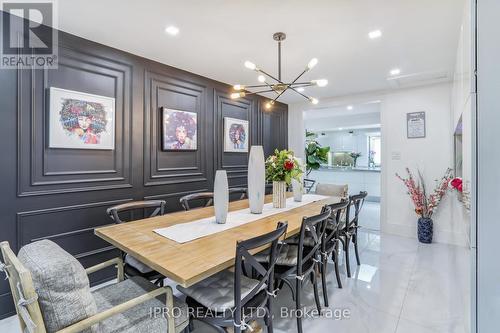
(259, 92)
(289, 85)
(257, 86)
(266, 73)
(301, 94)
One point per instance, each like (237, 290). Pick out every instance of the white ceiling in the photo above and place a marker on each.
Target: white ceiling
(365, 115)
(217, 36)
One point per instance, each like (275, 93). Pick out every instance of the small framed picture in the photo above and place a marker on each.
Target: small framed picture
(180, 130)
(235, 135)
(415, 125)
(79, 120)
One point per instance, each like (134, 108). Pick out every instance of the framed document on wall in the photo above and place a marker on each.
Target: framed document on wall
(415, 125)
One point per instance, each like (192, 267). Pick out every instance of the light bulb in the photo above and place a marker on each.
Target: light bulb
(395, 71)
(350, 107)
(375, 34)
(172, 30)
(235, 95)
(312, 63)
(238, 87)
(320, 83)
(261, 78)
(250, 65)
(314, 100)
(269, 104)
(300, 89)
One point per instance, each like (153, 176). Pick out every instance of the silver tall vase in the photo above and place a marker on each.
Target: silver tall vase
(256, 179)
(221, 196)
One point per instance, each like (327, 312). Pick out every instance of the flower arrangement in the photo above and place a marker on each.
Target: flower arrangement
(425, 205)
(283, 166)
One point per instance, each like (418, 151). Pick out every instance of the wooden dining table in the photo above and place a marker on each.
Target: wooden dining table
(190, 262)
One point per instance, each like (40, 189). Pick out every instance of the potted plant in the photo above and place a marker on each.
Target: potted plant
(315, 154)
(425, 206)
(281, 168)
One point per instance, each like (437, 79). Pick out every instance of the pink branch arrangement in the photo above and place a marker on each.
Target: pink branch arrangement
(425, 205)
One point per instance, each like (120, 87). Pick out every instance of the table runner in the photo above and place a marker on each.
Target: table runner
(185, 232)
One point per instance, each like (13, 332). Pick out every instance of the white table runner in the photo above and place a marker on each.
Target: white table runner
(185, 232)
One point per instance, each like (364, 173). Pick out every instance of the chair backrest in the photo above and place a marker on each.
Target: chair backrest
(265, 275)
(207, 199)
(115, 211)
(333, 190)
(357, 202)
(313, 227)
(338, 211)
(242, 191)
(23, 292)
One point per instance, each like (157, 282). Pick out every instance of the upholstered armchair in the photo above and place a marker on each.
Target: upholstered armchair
(52, 293)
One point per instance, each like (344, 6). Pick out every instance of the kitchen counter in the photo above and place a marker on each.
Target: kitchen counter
(358, 179)
(348, 168)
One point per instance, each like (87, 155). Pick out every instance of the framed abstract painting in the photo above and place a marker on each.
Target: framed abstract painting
(79, 120)
(180, 130)
(235, 135)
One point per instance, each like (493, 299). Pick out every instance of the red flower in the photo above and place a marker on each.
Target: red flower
(288, 165)
(457, 184)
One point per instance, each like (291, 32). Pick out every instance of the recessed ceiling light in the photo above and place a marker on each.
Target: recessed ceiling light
(375, 34)
(395, 71)
(350, 107)
(340, 128)
(172, 30)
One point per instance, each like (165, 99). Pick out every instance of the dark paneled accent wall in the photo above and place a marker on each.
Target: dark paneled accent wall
(62, 194)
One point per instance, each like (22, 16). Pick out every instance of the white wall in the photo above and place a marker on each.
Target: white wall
(432, 155)
(462, 96)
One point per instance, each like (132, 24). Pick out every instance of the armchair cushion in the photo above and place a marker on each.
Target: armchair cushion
(141, 318)
(61, 284)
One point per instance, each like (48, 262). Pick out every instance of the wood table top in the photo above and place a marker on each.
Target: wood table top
(191, 262)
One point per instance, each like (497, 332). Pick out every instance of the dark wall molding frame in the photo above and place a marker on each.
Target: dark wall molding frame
(62, 194)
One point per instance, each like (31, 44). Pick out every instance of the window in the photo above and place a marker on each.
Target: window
(374, 151)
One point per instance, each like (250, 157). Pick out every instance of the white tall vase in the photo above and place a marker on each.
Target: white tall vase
(298, 190)
(221, 196)
(256, 179)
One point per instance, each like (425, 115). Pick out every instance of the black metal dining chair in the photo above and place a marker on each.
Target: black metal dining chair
(309, 184)
(206, 199)
(349, 230)
(302, 260)
(229, 299)
(241, 191)
(331, 242)
(150, 208)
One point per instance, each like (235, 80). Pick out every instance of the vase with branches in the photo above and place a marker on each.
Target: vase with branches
(425, 204)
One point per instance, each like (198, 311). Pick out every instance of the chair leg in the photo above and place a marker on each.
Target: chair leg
(323, 280)
(298, 306)
(314, 280)
(335, 257)
(269, 316)
(355, 241)
(346, 250)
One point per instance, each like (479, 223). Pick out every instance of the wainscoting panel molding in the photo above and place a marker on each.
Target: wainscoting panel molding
(62, 194)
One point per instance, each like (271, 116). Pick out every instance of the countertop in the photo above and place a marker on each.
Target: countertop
(349, 169)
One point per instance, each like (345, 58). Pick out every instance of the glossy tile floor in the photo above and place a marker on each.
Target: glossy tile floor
(401, 286)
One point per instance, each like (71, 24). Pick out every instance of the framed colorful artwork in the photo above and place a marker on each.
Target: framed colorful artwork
(79, 120)
(235, 135)
(180, 130)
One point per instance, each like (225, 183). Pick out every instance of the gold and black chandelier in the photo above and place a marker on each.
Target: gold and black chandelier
(276, 85)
